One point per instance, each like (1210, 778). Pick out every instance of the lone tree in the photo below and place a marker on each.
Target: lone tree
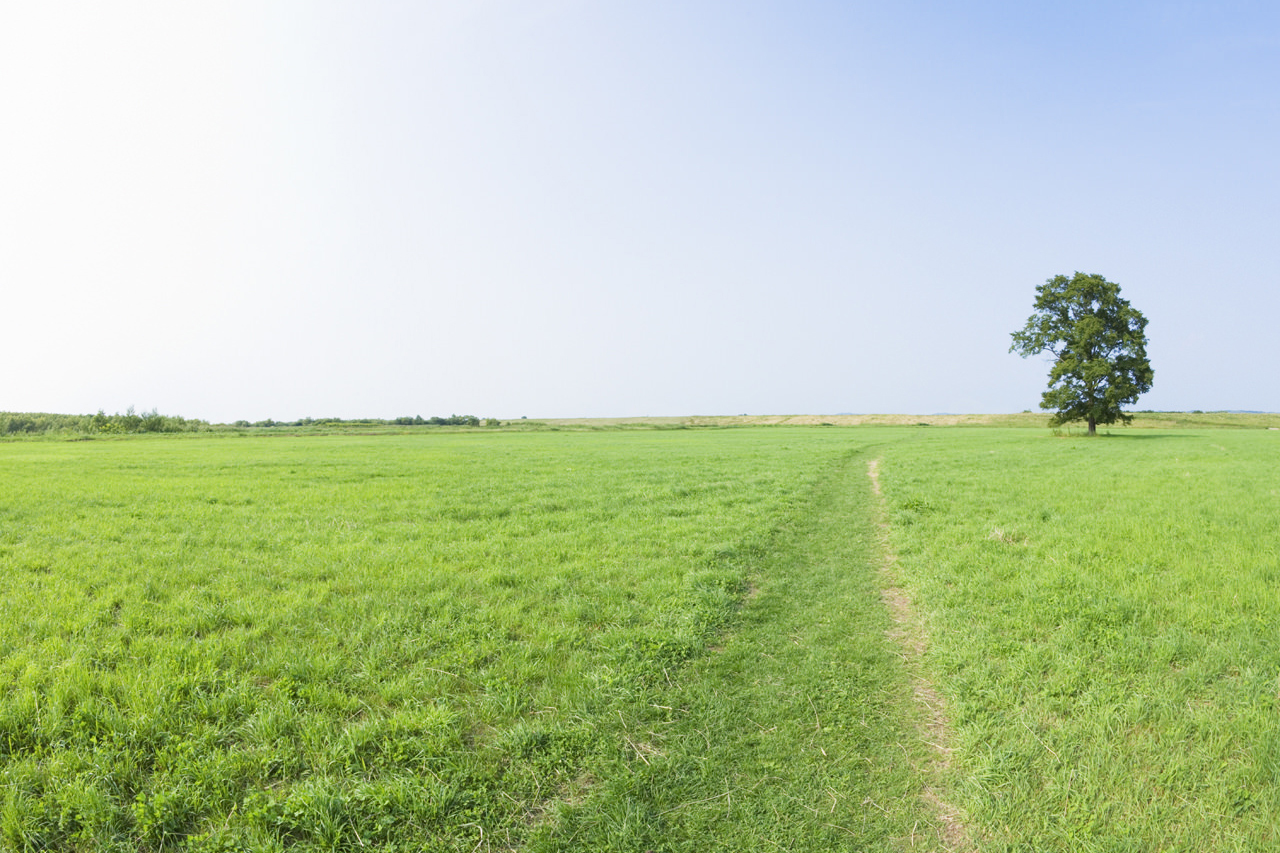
(1100, 345)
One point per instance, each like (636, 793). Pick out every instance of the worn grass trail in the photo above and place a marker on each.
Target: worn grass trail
(799, 732)
(909, 633)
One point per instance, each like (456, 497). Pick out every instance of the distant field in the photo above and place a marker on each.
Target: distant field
(649, 639)
(1029, 420)
(19, 426)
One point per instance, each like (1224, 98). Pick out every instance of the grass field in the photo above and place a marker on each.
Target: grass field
(640, 640)
(1104, 621)
(451, 641)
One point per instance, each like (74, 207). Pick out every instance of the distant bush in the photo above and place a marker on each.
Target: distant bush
(15, 424)
(456, 420)
(452, 420)
(11, 424)
(43, 423)
(404, 420)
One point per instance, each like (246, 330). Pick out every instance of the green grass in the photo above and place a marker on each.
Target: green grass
(799, 732)
(1103, 617)
(638, 639)
(450, 641)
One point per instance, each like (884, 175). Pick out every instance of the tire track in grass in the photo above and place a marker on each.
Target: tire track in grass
(908, 632)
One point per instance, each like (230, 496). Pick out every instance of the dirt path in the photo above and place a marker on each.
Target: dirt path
(908, 632)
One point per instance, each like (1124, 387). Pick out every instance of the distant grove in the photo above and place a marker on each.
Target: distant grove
(44, 423)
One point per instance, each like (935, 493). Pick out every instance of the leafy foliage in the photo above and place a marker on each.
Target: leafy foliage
(1100, 345)
(452, 420)
(28, 424)
(43, 423)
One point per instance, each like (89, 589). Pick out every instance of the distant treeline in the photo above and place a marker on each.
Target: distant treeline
(43, 423)
(415, 420)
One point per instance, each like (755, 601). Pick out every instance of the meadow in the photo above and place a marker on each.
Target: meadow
(640, 639)
(1103, 619)
(448, 641)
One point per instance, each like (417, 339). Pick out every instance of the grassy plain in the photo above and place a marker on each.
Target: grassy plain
(459, 641)
(1103, 619)
(667, 639)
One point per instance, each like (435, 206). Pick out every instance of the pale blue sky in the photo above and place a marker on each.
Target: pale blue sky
(284, 209)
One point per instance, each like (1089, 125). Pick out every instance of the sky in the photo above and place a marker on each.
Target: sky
(584, 208)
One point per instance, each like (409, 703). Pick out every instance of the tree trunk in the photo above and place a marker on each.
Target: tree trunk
(1093, 425)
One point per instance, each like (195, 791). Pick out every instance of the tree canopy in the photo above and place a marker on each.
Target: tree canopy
(1100, 346)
